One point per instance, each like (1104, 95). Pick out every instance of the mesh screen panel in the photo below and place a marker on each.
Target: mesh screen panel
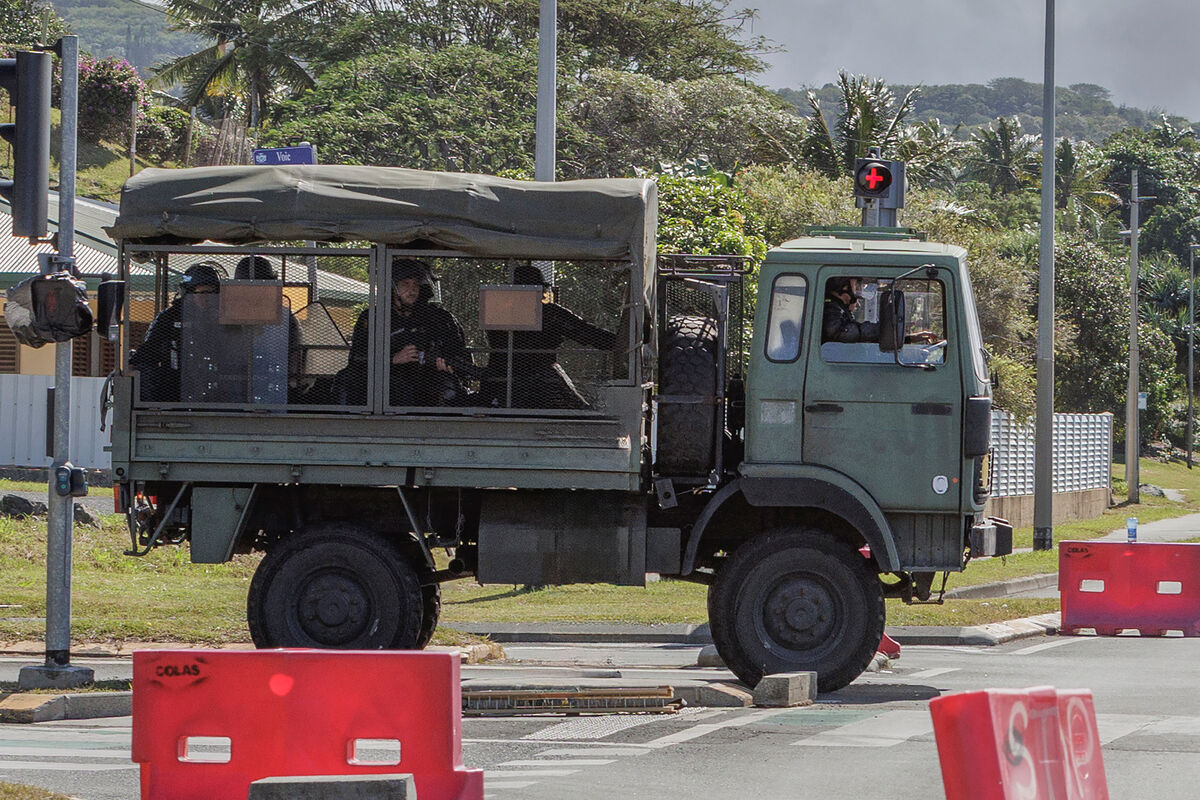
(322, 352)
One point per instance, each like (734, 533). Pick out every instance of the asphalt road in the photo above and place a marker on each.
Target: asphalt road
(871, 739)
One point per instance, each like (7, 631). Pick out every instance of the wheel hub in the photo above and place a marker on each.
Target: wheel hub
(799, 613)
(333, 609)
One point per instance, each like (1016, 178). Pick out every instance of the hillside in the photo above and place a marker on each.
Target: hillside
(1084, 110)
(126, 29)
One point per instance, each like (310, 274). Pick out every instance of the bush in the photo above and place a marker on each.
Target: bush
(107, 88)
(162, 133)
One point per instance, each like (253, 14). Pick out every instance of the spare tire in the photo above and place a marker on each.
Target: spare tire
(687, 366)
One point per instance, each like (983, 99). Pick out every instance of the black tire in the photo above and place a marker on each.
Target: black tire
(687, 366)
(796, 600)
(335, 586)
(431, 610)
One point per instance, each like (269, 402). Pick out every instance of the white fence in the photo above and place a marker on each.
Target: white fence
(1082, 453)
(1082, 442)
(23, 422)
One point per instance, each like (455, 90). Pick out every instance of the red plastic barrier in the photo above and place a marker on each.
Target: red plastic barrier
(1031, 744)
(293, 713)
(1152, 587)
(889, 647)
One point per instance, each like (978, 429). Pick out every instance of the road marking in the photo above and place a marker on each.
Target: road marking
(931, 673)
(489, 774)
(54, 766)
(507, 785)
(49, 752)
(883, 730)
(591, 727)
(1181, 726)
(1113, 726)
(559, 762)
(594, 751)
(1037, 648)
(696, 731)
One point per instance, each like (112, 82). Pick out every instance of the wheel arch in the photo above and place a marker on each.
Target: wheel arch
(825, 490)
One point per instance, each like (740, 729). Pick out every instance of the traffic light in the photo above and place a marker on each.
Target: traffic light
(27, 80)
(879, 180)
(872, 178)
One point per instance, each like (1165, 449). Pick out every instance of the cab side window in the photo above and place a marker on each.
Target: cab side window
(786, 317)
(851, 320)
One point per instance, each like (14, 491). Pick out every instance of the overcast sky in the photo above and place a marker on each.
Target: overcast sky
(1146, 52)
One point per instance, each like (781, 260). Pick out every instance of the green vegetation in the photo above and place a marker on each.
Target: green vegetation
(16, 791)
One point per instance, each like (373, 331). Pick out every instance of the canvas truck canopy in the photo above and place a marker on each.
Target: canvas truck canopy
(477, 215)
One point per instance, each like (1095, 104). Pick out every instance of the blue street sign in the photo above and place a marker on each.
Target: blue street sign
(304, 154)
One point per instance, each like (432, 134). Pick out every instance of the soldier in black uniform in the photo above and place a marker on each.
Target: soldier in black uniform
(539, 381)
(838, 323)
(157, 358)
(428, 352)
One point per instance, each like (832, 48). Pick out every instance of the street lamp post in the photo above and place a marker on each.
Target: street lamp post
(1191, 328)
(1043, 468)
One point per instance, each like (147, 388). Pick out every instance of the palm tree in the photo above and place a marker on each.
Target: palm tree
(930, 153)
(1080, 170)
(1002, 156)
(869, 117)
(250, 57)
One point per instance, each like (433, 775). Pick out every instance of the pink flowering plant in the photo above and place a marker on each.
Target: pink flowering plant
(107, 89)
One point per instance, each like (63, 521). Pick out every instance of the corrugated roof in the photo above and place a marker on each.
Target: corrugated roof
(94, 257)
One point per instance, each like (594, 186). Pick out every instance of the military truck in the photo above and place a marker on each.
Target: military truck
(713, 435)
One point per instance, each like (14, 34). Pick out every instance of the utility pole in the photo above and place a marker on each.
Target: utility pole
(1191, 424)
(1043, 466)
(547, 95)
(58, 672)
(1132, 433)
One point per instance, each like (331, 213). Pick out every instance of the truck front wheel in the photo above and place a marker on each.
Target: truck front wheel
(336, 586)
(796, 600)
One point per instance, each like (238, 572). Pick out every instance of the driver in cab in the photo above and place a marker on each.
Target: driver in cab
(839, 324)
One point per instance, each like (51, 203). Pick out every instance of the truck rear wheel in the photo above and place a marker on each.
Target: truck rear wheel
(336, 586)
(687, 367)
(796, 600)
(431, 610)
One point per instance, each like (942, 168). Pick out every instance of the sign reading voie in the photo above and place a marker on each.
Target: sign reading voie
(303, 154)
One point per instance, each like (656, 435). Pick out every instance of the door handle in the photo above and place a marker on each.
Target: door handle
(823, 408)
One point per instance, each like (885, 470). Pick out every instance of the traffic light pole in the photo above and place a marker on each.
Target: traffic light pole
(57, 671)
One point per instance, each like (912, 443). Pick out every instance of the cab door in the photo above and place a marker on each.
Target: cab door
(893, 428)
(775, 387)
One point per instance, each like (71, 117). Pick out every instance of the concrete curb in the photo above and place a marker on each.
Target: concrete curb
(1004, 588)
(598, 633)
(479, 653)
(26, 707)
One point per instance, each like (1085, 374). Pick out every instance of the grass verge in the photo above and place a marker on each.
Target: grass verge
(17, 791)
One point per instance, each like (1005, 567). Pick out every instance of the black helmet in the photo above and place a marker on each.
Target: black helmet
(529, 275)
(254, 268)
(403, 268)
(202, 274)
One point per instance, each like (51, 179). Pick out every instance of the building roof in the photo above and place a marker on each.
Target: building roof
(96, 256)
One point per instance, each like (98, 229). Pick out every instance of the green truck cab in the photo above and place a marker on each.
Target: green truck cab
(620, 416)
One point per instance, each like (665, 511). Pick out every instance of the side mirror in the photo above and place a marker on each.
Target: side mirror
(891, 320)
(110, 300)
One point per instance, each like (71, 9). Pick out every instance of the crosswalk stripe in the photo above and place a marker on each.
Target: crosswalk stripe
(488, 774)
(1037, 648)
(559, 762)
(883, 730)
(594, 751)
(925, 674)
(1114, 726)
(696, 731)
